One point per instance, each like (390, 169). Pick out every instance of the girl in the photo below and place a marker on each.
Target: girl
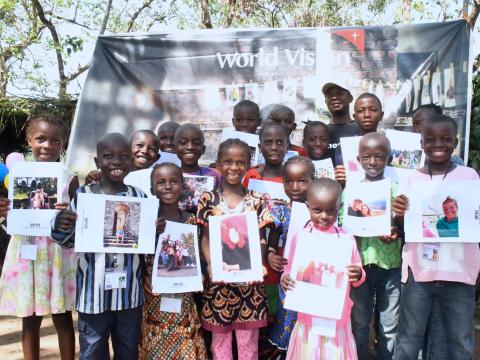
(31, 289)
(298, 172)
(425, 278)
(273, 146)
(316, 138)
(167, 335)
(232, 307)
(323, 200)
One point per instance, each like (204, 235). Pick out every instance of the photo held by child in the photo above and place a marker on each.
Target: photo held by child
(298, 172)
(381, 259)
(323, 201)
(45, 285)
(164, 334)
(113, 310)
(228, 307)
(246, 116)
(451, 282)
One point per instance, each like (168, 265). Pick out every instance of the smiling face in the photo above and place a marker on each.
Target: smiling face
(189, 145)
(165, 139)
(233, 164)
(46, 141)
(365, 210)
(338, 100)
(450, 209)
(295, 181)
(167, 184)
(373, 155)
(323, 207)
(367, 113)
(273, 144)
(438, 142)
(145, 148)
(316, 142)
(113, 159)
(246, 119)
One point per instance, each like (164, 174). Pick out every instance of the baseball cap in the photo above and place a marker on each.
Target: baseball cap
(330, 85)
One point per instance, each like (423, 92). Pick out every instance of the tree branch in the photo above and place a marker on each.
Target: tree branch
(205, 20)
(71, 21)
(472, 18)
(231, 12)
(105, 18)
(135, 15)
(77, 73)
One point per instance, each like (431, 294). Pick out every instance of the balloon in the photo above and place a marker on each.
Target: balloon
(3, 171)
(12, 158)
(5, 181)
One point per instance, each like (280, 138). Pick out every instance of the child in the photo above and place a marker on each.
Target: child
(246, 117)
(31, 289)
(323, 200)
(166, 134)
(298, 172)
(189, 144)
(232, 307)
(425, 280)
(367, 113)
(145, 146)
(381, 259)
(102, 312)
(284, 115)
(184, 340)
(273, 146)
(316, 138)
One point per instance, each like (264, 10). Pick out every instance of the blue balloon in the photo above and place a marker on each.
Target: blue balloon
(3, 171)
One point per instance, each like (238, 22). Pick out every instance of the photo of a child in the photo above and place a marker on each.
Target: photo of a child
(121, 224)
(235, 244)
(34, 192)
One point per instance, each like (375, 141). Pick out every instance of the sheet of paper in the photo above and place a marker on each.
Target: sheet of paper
(353, 168)
(299, 216)
(28, 252)
(324, 169)
(273, 189)
(141, 180)
(176, 267)
(34, 188)
(115, 224)
(235, 248)
(443, 211)
(193, 187)
(172, 305)
(407, 152)
(168, 157)
(115, 280)
(251, 139)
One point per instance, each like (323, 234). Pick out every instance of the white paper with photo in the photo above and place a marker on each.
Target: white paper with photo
(437, 88)
(34, 188)
(367, 208)
(399, 178)
(232, 95)
(319, 270)
(324, 169)
(446, 211)
(141, 180)
(353, 169)
(252, 141)
(235, 248)
(193, 187)
(176, 266)
(407, 152)
(252, 93)
(274, 189)
(115, 224)
(299, 216)
(166, 157)
(289, 91)
(449, 87)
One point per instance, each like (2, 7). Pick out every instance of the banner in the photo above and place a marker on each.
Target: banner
(138, 81)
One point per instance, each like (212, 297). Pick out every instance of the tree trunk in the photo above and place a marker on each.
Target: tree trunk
(406, 19)
(205, 20)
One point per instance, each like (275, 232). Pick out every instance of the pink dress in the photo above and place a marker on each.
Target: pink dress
(43, 286)
(342, 346)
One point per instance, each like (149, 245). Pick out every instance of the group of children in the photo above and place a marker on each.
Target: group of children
(131, 314)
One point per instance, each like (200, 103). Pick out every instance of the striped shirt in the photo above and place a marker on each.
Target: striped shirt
(91, 296)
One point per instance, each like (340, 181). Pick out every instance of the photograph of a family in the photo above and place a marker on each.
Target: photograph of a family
(360, 208)
(193, 187)
(122, 222)
(177, 257)
(34, 192)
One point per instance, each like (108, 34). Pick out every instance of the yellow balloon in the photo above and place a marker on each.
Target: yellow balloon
(5, 181)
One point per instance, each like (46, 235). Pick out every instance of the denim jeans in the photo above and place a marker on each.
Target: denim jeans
(380, 291)
(457, 307)
(95, 330)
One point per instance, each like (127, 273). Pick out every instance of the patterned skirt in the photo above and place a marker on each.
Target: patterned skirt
(228, 307)
(284, 322)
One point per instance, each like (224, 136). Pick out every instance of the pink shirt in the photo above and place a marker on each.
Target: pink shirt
(347, 307)
(465, 257)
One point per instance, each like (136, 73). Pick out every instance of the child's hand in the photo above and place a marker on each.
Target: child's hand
(276, 262)
(340, 174)
(4, 207)
(354, 273)
(387, 239)
(61, 206)
(94, 176)
(160, 224)
(287, 282)
(400, 205)
(66, 219)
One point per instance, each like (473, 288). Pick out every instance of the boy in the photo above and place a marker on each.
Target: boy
(381, 259)
(367, 113)
(165, 134)
(285, 116)
(246, 116)
(145, 146)
(102, 312)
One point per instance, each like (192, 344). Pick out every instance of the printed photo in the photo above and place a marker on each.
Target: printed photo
(406, 159)
(251, 92)
(362, 208)
(440, 217)
(193, 187)
(233, 95)
(321, 274)
(324, 169)
(177, 256)
(235, 244)
(121, 224)
(406, 149)
(34, 192)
